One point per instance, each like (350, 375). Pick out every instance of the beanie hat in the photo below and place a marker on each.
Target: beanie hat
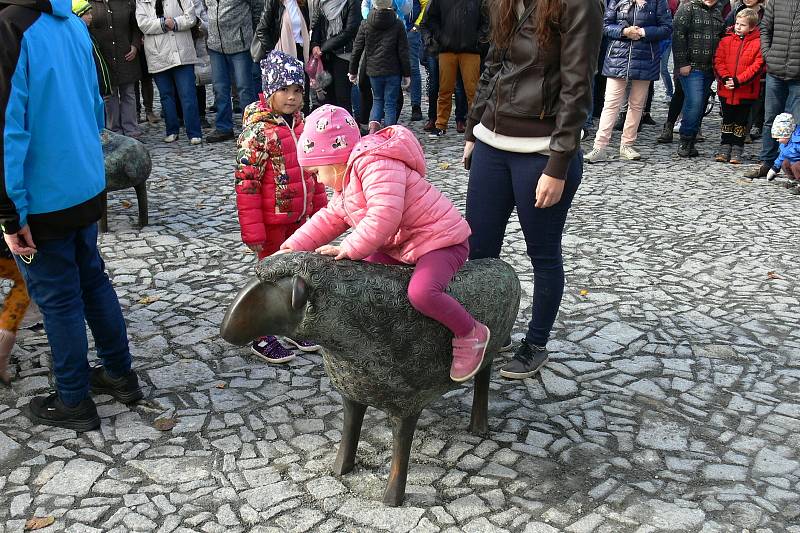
(783, 126)
(280, 70)
(81, 7)
(382, 4)
(329, 136)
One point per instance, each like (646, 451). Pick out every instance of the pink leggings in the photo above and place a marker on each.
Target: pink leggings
(426, 290)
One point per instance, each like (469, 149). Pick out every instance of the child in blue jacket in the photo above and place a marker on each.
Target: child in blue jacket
(787, 133)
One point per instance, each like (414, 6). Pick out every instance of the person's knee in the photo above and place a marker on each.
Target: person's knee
(422, 296)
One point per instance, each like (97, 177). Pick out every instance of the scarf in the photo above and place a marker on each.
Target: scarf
(332, 9)
(286, 43)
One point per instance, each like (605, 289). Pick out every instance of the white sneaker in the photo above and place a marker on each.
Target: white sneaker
(597, 155)
(626, 151)
(195, 140)
(170, 138)
(677, 127)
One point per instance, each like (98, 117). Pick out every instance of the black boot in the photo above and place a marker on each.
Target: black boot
(687, 148)
(124, 389)
(416, 113)
(647, 120)
(666, 133)
(51, 411)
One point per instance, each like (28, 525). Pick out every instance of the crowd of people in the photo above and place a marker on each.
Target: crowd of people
(527, 78)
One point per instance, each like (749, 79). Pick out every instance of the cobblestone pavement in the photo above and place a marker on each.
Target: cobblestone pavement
(671, 402)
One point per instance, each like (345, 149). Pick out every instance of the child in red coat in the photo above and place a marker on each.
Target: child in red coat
(274, 196)
(739, 66)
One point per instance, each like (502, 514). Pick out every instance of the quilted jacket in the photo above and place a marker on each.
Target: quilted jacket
(636, 60)
(271, 188)
(697, 29)
(739, 58)
(388, 202)
(780, 38)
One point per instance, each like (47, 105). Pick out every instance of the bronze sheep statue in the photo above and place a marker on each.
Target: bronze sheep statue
(377, 349)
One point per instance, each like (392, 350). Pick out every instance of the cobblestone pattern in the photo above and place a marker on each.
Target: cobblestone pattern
(671, 402)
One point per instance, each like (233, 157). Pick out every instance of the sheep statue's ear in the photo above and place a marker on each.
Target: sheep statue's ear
(299, 293)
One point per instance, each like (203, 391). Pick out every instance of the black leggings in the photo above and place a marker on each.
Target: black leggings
(338, 92)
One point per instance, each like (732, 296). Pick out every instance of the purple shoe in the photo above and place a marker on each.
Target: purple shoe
(303, 345)
(271, 351)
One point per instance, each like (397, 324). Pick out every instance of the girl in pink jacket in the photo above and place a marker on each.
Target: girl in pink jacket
(397, 216)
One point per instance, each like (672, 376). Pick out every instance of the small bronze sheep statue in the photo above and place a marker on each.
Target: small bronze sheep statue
(127, 165)
(378, 350)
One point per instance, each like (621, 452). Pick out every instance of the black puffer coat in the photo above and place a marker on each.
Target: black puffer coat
(383, 42)
(457, 26)
(115, 30)
(780, 38)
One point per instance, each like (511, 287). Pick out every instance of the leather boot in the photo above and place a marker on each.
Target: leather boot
(687, 148)
(666, 133)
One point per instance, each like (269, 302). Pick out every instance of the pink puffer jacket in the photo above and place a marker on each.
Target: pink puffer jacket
(388, 202)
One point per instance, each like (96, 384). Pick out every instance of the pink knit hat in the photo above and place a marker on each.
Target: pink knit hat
(330, 134)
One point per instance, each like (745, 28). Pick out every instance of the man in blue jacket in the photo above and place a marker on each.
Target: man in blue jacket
(51, 184)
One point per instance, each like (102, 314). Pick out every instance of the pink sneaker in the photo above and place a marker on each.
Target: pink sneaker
(468, 353)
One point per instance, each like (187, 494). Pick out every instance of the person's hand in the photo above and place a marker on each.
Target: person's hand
(548, 191)
(405, 82)
(170, 23)
(21, 242)
(684, 71)
(771, 174)
(353, 78)
(131, 55)
(729, 84)
(334, 251)
(632, 33)
(257, 248)
(316, 51)
(469, 146)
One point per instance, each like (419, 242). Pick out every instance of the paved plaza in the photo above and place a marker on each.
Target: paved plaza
(671, 401)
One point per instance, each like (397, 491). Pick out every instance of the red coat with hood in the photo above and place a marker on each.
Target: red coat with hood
(739, 58)
(272, 191)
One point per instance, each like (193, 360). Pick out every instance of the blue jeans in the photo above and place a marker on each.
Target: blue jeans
(782, 96)
(222, 66)
(695, 89)
(385, 90)
(414, 46)
(67, 280)
(433, 91)
(180, 79)
(500, 181)
(666, 75)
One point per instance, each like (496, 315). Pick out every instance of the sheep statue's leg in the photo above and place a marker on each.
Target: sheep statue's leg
(479, 421)
(141, 200)
(351, 432)
(403, 435)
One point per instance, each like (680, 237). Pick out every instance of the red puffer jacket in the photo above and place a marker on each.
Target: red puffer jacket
(740, 59)
(271, 188)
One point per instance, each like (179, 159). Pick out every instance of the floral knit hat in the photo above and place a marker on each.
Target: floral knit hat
(329, 136)
(280, 70)
(783, 126)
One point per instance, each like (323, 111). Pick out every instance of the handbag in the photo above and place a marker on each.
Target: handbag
(257, 49)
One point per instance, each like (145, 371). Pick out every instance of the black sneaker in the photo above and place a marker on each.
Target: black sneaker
(416, 113)
(436, 133)
(51, 411)
(219, 136)
(647, 120)
(124, 389)
(526, 362)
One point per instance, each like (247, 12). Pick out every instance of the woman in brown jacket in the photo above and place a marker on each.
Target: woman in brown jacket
(116, 32)
(523, 143)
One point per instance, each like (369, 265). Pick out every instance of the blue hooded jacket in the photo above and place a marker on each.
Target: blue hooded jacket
(635, 60)
(789, 151)
(51, 159)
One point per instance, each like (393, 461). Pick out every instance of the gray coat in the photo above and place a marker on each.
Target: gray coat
(780, 38)
(231, 24)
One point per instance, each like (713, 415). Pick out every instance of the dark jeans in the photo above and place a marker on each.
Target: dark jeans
(757, 111)
(363, 110)
(384, 98)
(734, 122)
(500, 181)
(227, 69)
(696, 87)
(339, 92)
(781, 96)
(67, 280)
(179, 82)
(432, 67)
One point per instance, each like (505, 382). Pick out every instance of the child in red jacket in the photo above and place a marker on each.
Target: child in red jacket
(739, 65)
(274, 196)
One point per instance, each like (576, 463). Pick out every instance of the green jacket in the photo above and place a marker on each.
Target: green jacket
(696, 31)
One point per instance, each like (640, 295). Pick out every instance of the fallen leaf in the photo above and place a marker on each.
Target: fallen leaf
(147, 300)
(126, 204)
(584, 292)
(444, 166)
(38, 522)
(220, 385)
(165, 424)
(773, 275)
